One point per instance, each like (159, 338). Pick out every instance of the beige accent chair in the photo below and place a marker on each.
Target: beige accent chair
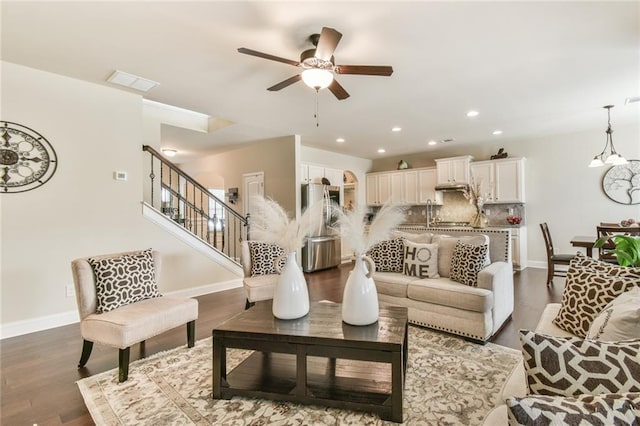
(129, 324)
(260, 287)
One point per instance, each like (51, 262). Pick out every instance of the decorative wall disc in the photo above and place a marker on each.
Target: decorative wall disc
(27, 159)
(622, 183)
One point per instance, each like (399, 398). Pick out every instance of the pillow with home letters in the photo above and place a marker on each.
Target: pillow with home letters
(263, 256)
(124, 279)
(619, 320)
(467, 261)
(420, 260)
(388, 255)
(583, 410)
(569, 366)
(585, 295)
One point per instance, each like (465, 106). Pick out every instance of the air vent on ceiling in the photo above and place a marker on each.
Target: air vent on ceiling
(632, 100)
(447, 140)
(132, 81)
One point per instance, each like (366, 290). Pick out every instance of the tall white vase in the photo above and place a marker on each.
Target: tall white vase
(360, 298)
(291, 297)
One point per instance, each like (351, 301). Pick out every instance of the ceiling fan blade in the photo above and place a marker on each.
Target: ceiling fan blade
(327, 43)
(364, 69)
(267, 56)
(338, 90)
(285, 83)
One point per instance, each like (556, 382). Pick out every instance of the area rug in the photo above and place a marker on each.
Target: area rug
(449, 381)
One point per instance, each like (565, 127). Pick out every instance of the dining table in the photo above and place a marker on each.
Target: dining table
(585, 241)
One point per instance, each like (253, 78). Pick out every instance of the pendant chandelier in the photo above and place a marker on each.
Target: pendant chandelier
(611, 157)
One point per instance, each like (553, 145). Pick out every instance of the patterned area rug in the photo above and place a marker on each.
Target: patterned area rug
(449, 381)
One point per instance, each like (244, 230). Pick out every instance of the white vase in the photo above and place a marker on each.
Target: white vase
(291, 297)
(360, 297)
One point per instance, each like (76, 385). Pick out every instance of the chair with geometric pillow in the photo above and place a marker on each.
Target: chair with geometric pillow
(258, 260)
(119, 304)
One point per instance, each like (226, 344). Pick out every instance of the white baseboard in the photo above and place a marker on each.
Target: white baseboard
(537, 264)
(19, 328)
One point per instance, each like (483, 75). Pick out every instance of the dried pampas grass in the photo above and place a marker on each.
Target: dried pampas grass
(352, 226)
(272, 224)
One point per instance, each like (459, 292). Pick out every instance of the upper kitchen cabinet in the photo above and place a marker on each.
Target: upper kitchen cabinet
(313, 174)
(427, 187)
(378, 188)
(502, 180)
(453, 170)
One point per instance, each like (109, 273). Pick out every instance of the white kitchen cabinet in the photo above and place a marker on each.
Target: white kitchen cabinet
(396, 189)
(311, 174)
(519, 248)
(426, 186)
(378, 188)
(335, 176)
(453, 170)
(502, 180)
(410, 187)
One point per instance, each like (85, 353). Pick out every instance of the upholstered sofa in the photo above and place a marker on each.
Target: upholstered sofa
(584, 353)
(475, 312)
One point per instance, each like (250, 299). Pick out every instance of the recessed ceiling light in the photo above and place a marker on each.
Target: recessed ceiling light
(396, 129)
(472, 113)
(497, 132)
(432, 143)
(169, 152)
(132, 81)
(340, 140)
(381, 151)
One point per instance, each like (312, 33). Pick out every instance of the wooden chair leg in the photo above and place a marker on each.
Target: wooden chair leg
(550, 274)
(123, 365)
(87, 346)
(191, 333)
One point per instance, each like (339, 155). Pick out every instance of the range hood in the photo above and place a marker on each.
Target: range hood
(452, 187)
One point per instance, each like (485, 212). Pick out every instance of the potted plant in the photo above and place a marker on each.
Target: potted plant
(625, 248)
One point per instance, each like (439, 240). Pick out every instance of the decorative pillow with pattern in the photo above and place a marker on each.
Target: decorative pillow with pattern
(124, 279)
(447, 245)
(263, 257)
(388, 255)
(619, 320)
(569, 366)
(420, 260)
(583, 261)
(585, 295)
(584, 410)
(466, 262)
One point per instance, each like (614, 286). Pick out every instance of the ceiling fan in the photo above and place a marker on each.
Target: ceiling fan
(318, 65)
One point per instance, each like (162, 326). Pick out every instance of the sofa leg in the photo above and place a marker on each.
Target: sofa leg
(123, 365)
(191, 333)
(87, 346)
(248, 304)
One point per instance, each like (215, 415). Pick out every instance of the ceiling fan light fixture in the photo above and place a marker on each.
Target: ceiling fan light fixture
(317, 78)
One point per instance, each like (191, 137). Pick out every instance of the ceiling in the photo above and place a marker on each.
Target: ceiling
(530, 69)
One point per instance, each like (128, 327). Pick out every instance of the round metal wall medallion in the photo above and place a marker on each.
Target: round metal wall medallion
(622, 183)
(27, 159)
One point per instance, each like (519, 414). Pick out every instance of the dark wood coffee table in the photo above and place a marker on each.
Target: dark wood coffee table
(316, 359)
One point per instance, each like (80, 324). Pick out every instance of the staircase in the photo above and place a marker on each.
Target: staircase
(191, 206)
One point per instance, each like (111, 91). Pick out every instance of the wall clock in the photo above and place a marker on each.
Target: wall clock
(622, 183)
(27, 159)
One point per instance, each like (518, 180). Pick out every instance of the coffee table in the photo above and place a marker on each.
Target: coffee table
(316, 359)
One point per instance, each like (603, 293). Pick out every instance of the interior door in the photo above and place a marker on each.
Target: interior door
(253, 184)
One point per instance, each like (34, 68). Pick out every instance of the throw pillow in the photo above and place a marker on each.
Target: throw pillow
(570, 366)
(583, 261)
(263, 256)
(585, 295)
(620, 319)
(420, 260)
(446, 246)
(388, 255)
(123, 279)
(584, 410)
(416, 238)
(467, 261)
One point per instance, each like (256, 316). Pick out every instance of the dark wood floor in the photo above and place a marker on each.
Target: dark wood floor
(39, 370)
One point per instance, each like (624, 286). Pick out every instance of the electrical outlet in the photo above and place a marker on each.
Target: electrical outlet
(424, 213)
(70, 291)
(487, 212)
(409, 212)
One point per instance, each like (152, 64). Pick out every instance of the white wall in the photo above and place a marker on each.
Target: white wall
(81, 211)
(560, 189)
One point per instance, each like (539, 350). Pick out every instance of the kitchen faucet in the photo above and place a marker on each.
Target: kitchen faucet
(429, 211)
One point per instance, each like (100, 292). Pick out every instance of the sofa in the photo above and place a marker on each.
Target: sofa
(583, 358)
(475, 311)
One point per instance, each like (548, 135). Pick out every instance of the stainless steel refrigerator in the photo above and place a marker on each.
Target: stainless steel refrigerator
(323, 250)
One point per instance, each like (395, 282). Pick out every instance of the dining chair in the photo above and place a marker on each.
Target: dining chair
(553, 259)
(605, 253)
